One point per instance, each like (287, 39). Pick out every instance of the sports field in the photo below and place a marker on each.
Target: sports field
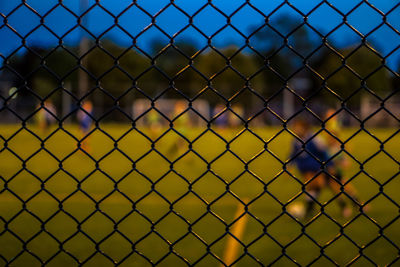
(137, 207)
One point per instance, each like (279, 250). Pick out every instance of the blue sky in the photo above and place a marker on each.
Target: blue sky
(63, 24)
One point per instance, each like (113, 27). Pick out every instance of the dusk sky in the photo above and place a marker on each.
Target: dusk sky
(134, 20)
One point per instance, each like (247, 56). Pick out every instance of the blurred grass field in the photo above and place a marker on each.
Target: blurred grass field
(125, 195)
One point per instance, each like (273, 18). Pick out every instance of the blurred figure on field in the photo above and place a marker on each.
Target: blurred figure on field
(234, 120)
(181, 123)
(85, 121)
(154, 122)
(46, 115)
(309, 157)
(51, 112)
(222, 120)
(333, 130)
(341, 163)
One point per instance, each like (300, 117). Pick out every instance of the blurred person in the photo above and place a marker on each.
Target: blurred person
(50, 112)
(85, 121)
(138, 109)
(154, 123)
(181, 125)
(308, 158)
(341, 164)
(40, 118)
(222, 120)
(333, 126)
(234, 120)
(46, 115)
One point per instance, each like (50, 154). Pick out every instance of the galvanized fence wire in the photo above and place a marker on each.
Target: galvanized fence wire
(80, 97)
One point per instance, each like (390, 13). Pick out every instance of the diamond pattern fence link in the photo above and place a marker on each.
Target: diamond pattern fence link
(123, 143)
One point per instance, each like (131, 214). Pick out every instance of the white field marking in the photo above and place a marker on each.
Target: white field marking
(232, 246)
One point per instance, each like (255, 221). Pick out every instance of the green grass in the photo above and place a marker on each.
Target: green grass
(60, 204)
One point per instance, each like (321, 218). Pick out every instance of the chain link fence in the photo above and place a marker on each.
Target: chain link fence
(199, 134)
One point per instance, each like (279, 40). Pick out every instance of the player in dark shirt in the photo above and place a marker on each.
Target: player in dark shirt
(312, 159)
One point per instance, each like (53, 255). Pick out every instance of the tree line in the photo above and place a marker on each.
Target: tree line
(254, 75)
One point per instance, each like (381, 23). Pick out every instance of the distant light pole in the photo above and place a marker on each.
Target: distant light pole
(83, 81)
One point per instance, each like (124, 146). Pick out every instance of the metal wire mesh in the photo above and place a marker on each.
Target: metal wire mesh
(275, 81)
